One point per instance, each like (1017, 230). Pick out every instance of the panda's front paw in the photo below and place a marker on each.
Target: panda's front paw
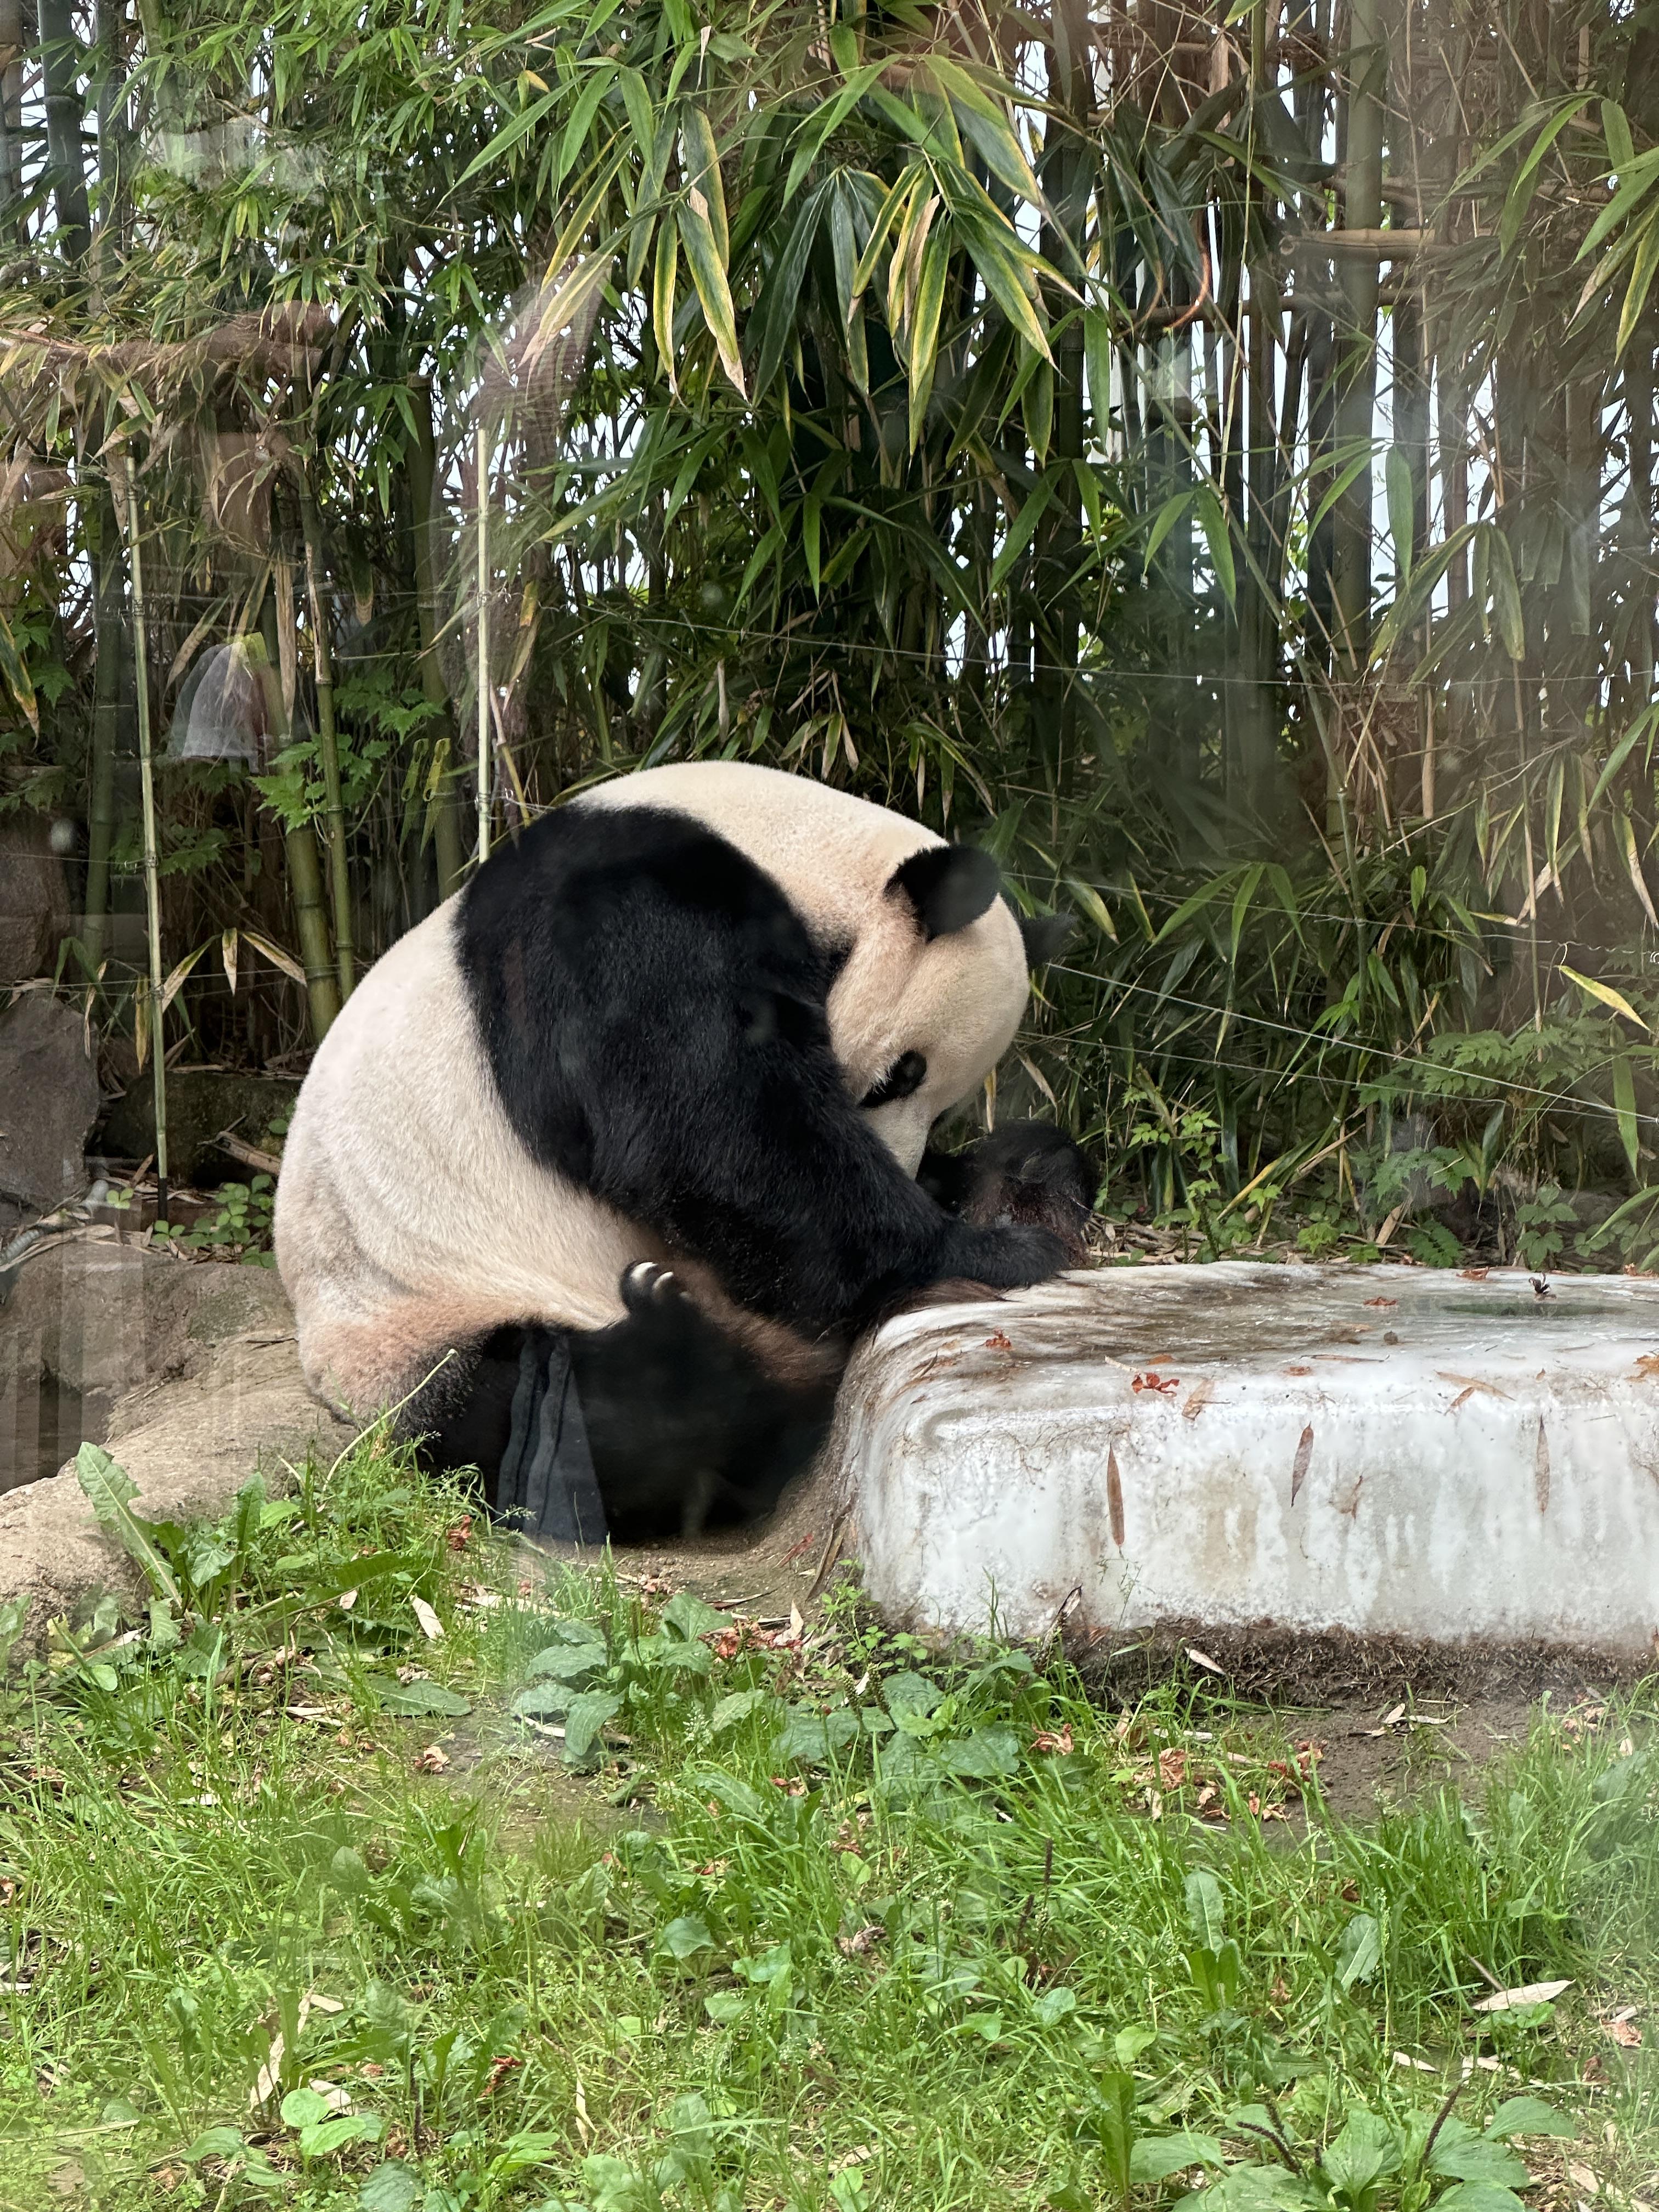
(648, 1288)
(1011, 1258)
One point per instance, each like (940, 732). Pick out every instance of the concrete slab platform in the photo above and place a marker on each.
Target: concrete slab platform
(1417, 1455)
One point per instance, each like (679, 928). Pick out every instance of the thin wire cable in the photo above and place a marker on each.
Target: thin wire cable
(1325, 1038)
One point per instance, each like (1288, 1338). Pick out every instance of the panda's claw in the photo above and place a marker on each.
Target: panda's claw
(645, 1287)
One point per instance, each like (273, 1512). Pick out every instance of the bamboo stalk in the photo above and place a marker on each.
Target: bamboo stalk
(152, 866)
(423, 470)
(328, 749)
(304, 865)
(484, 641)
(107, 641)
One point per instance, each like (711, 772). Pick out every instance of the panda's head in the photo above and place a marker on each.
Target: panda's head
(933, 992)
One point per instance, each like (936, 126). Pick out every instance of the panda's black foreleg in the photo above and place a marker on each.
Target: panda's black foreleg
(685, 1426)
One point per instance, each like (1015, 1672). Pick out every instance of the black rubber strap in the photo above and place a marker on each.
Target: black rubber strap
(547, 1484)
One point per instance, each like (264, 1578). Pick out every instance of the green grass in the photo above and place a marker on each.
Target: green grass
(829, 1925)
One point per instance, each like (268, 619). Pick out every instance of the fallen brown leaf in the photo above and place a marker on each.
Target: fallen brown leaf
(1530, 1993)
(432, 1760)
(1299, 1465)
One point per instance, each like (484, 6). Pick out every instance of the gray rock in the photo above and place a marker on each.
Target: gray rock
(34, 908)
(49, 1100)
(201, 1102)
(227, 1399)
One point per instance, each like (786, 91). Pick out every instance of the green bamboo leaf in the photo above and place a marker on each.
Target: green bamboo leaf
(1615, 129)
(777, 305)
(1505, 593)
(819, 127)
(14, 672)
(904, 270)
(1093, 905)
(1021, 531)
(1353, 468)
(1397, 474)
(984, 122)
(1166, 521)
(598, 84)
(924, 329)
(758, 561)
(811, 519)
(512, 134)
(1607, 994)
(662, 297)
(1641, 280)
(1004, 280)
(1623, 1105)
(1036, 408)
(713, 293)
(1213, 519)
(892, 208)
(1097, 360)
(1519, 197)
(1636, 181)
(641, 118)
(1646, 724)
(703, 174)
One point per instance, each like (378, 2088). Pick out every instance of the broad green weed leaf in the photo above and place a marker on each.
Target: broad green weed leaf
(1364, 2150)
(1206, 1914)
(1360, 1952)
(1461, 2154)
(816, 1736)
(1529, 2116)
(587, 1715)
(910, 1696)
(324, 2138)
(685, 1937)
(1155, 2158)
(391, 2188)
(566, 1663)
(691, 1618)
(303, 2108)
(1478, 2196)
(214, 2142)
(736, 1708)
(988, 1751)
(422, 1699)
(108, 1488)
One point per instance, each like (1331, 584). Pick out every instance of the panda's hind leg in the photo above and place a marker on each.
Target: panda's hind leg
(685, 1424)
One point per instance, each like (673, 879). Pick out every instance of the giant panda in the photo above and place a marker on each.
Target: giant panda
(605, 1162)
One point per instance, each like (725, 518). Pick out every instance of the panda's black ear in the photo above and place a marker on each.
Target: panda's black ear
(1046, 935)
(947, 886)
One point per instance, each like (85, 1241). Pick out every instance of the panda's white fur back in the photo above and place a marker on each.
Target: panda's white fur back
(410, 1217)
(408, 1213)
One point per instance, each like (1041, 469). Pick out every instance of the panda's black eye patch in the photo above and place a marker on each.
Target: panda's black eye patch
(903, 1080)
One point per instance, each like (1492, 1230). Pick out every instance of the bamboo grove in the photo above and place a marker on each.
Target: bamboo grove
(1208, 456)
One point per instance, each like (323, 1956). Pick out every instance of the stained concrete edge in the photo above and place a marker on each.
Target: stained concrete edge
(1137, 1462)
